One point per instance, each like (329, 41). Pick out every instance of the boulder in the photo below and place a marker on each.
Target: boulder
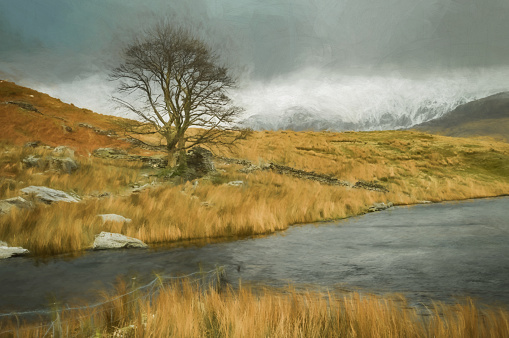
(7, 251)
(32, 161)
(114, 218)
(199, 161)
(63, 151)
(48, 195)
(109, 240)
(65, 164)
(18, 202)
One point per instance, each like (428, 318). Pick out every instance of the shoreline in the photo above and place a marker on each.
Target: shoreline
(203, 241)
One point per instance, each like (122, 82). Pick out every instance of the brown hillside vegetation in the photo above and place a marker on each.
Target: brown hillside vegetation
(34, 116)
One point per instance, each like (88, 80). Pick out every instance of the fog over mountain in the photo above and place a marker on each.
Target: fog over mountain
(302, 64)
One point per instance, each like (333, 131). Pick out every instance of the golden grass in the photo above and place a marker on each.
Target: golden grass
(182, 309)
(94, 175)
(413, 166)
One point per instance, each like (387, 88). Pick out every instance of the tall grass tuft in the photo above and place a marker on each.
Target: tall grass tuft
(184, 309)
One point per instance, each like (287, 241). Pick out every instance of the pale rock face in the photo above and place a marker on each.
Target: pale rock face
(48, 195)
(7, 251)
(236, 183)
(114, 218)
(18, 202)
(109, 240)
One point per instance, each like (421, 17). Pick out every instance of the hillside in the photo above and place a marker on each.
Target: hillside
(485, 117)
(27, 115)
(281, 178)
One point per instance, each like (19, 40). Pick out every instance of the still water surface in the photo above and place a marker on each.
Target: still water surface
(436, 251)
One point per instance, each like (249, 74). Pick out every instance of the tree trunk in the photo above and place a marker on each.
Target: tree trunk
(181, 157)
(172, 157)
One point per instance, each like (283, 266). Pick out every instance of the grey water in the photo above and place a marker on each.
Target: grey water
(427, 252)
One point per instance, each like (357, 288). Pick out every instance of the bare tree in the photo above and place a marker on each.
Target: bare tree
(172, 81)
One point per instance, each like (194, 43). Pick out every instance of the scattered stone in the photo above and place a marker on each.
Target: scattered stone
(115, 153)
(236, 183)
(249, 169)
(48, 195)
(424, 202)
(86, 125)
(114, 218)
(104, 194)
(63, 151)
(31, 161)
(380, 206)
(67, 128)
(18, 202)
(66, 164)
(155, 161)
(8, 251)
(109, 240)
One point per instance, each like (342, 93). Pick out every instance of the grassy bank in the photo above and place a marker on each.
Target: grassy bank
(412, 166)
(182, 309)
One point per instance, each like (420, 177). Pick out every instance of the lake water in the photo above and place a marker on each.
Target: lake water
(436, 251)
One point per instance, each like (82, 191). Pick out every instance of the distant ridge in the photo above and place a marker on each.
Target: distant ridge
(484, 117)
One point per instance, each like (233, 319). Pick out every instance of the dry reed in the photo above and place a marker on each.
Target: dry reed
(183, 309)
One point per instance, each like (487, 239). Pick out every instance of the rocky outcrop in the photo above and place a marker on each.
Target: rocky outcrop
(110, 240)
(17, 202)
(25, 105)
(114, 218)
(199, 162)
(63, 164)
(380, 206)
(48, 195)
(8, 251)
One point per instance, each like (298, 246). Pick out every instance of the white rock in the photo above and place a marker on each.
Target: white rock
(19, 202)
(236, 183)
(109, 240)
(114, 218)
(7, 251)
(48, 195)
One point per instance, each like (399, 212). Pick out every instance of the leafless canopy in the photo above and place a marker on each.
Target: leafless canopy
(173, 81)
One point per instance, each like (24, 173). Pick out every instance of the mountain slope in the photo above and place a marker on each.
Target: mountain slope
(27, 115)
(485, 117)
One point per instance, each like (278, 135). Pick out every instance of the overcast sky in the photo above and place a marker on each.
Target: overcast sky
(66, 47)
